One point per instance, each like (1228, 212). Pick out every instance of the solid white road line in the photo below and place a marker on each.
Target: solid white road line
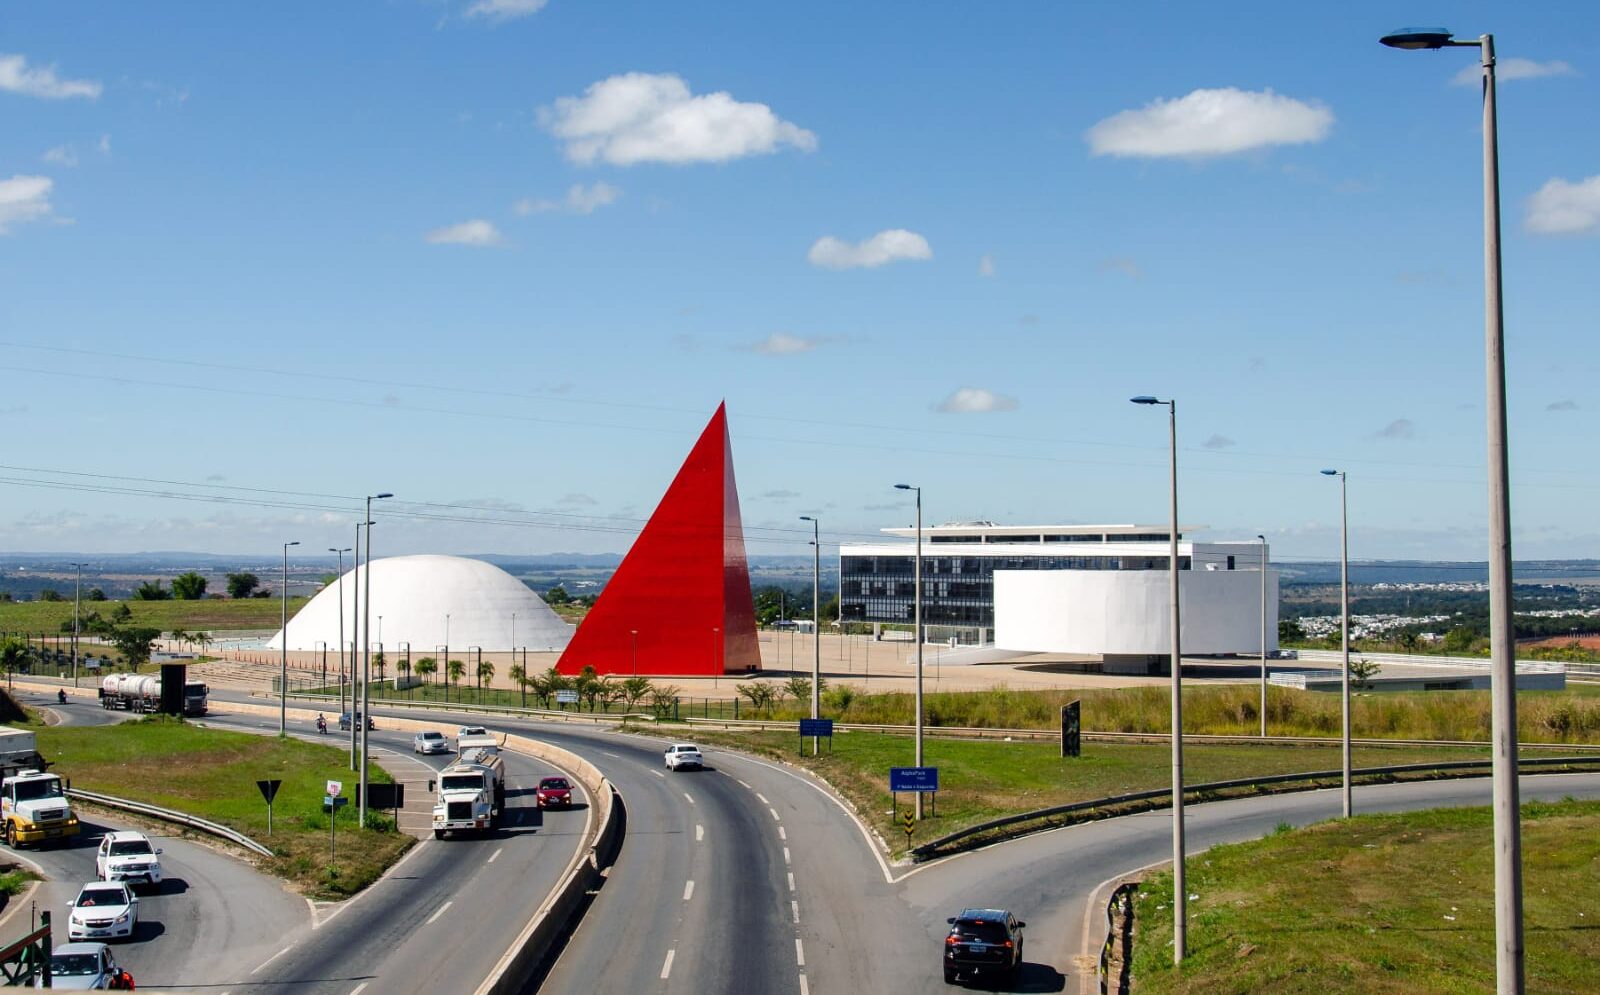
(274, 957)
(688, 890)
(791, 880)
(699, 833)
(666, 968)
(799, 952)
(688, 798)
(494, 855)
(782, 835)
(438, 912)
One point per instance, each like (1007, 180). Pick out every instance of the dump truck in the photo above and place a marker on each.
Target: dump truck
(35, 808)
(471, 792)
(142, 693)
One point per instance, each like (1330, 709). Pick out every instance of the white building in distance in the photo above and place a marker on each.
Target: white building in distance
(1099, 590)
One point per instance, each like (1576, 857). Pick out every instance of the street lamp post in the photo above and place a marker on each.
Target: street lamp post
(77, 584)
(341, 552)
(1344, 631)
(917, 624)
(283, 644)
(355, 627)
(1263, 635)
(816, 621)
(1509, 952)
(633, 636)
(366, 661)
(1180, 896)
(716, 659)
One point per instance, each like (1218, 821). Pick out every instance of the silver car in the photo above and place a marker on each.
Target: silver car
(82, 967)
(430, 741)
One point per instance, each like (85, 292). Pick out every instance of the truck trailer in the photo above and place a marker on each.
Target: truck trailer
(142, 693)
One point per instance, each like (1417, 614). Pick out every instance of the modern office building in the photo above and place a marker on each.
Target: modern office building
(1097, 590)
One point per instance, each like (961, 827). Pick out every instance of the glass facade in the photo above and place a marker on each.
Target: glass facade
(956, 590)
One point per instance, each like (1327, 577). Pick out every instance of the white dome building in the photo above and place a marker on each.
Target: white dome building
(427, 602)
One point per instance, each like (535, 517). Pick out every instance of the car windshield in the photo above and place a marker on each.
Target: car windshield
(130, 848)
(49, 787)
(558, 783)
(74, 965)
(981, 932)
(102, 896)
(463, 782)
(433, 735)
(472, 730)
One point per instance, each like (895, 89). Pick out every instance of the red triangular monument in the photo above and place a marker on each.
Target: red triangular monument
(680, 602)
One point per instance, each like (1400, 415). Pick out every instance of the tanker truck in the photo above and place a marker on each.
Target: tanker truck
(472, 792)
(142, 693)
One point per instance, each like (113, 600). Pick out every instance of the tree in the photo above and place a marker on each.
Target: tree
(50, 594)
(1409, 641)
(121, 614)
(1362, 671)
(761, 696)
(548, 683)
(379, 662)
(425, 667)
(14, 653)
(452, 672)
(95, 594)
(242, 585)
(663, 698)
(634, 690)
(800, 688)
(485, 675)
(830, 608)
(609, 692)
(519, 676)
(178, 636)
(557, 596)
(135, 643)
(1289, 631)
(202, 640)
(151, 590)
(189, 586)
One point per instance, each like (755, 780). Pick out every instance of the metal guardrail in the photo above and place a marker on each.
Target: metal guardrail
(1163, 794)
(462, 706)
(1122, 893)
(1424, 660)
(169, 815)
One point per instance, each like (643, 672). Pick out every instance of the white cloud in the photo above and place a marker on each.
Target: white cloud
(579, 200)
(476, 232)
(784, 344)
(643, 117)
(1561, 406)
(884, 247)
(1122, 264)
(969, 400)
(1562, 208)
(105, 145)
(986, 265)
(61, 155)
(1400, 428)
(22, 199)
(1506, 69)
(1211, 122)
(1217, 442)
(505, 10)
(16, 77)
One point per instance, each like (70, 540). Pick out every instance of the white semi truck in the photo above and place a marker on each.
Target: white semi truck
(142, 693)
(471, 791)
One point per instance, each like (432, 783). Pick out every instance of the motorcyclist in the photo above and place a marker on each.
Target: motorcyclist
(61, 696)
(322, 723)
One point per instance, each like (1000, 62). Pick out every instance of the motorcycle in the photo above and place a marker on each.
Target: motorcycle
(61, 697)
(322, 725)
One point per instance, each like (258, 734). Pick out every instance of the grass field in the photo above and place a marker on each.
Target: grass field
(984, 779)
(212, 773)
(1378, 903)
(204, 615)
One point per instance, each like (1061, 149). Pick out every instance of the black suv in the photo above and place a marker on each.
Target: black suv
(345, 721)
(983, 941)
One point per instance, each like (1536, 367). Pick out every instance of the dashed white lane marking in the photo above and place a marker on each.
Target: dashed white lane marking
(795, 908)
(359, 988)
(666, 968)
(745, 783)
(774, 815)
(786, 856)
(782, 835)
(608, 753)
(763, 798)
(438, 912)
(658, 773)
(494, 855)
(803, 989)
(688, 798)
(699, 833)
(791, 880)
(274, 957)
(688, 890)
(799, 952)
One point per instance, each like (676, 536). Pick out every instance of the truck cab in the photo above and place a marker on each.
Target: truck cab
(35, 808)
(471, 793)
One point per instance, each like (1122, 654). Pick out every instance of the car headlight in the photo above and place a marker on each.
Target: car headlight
(123, 918)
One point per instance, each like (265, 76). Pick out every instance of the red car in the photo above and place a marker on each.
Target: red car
(553, 791)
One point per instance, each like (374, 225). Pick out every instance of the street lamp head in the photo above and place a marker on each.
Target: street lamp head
(904, 487)
(1145, 399)
(1331, 473)
(807, 518)
(1262, 538)
(385, 494)
(295, 543)
(1415, 38)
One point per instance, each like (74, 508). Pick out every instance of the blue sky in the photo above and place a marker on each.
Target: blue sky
(507, 257)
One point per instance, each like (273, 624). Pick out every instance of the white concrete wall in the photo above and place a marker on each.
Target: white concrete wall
(1126, 612)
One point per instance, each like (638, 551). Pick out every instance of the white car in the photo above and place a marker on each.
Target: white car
(128, 856)
(681, 755)
(430, 741)
(103, 910)
(83, 967)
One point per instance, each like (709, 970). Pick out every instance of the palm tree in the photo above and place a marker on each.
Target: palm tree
(453, 671)
(547, 684)
(378, 661)
(178, 636)
(519, 674)
(202, 639)
(426, 666)
(485, 676)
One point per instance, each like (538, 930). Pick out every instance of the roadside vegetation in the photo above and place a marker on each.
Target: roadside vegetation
(204, 614)
(986, 779)
(212, 773)
(1378, 903)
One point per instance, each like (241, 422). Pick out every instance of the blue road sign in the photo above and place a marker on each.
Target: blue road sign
(816, 727)
(333, 801)
(913, 779)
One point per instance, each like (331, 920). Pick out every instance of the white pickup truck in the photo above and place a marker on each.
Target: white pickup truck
(471, 791)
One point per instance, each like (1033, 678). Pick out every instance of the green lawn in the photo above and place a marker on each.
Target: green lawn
(985, 779)
(205, 615)
(1379, 903)
(212, 773)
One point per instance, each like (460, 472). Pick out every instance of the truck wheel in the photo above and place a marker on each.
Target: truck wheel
(438, 834)
(11, 835)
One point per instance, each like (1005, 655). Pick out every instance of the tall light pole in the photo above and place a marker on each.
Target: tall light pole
(1180, 895)
(77, 584)
(283, 644)
(917, 624)
(355, 627)
(513, 637)
(717, 663)
(633, 636)
(816, 621)
(444, 661)
(1263, 635)
(366, 660)
(341, 552)
(1509, 953)
(1344, 631)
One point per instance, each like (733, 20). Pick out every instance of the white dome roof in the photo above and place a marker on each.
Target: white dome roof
(412, 595)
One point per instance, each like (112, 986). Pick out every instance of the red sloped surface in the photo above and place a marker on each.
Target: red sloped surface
(680, 602)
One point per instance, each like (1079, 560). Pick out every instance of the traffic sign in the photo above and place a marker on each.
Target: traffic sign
(269, 789)
(567, 697)
(334, 801)
(816, 727)
(910, 821)
(334, 787)
(913, 779)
